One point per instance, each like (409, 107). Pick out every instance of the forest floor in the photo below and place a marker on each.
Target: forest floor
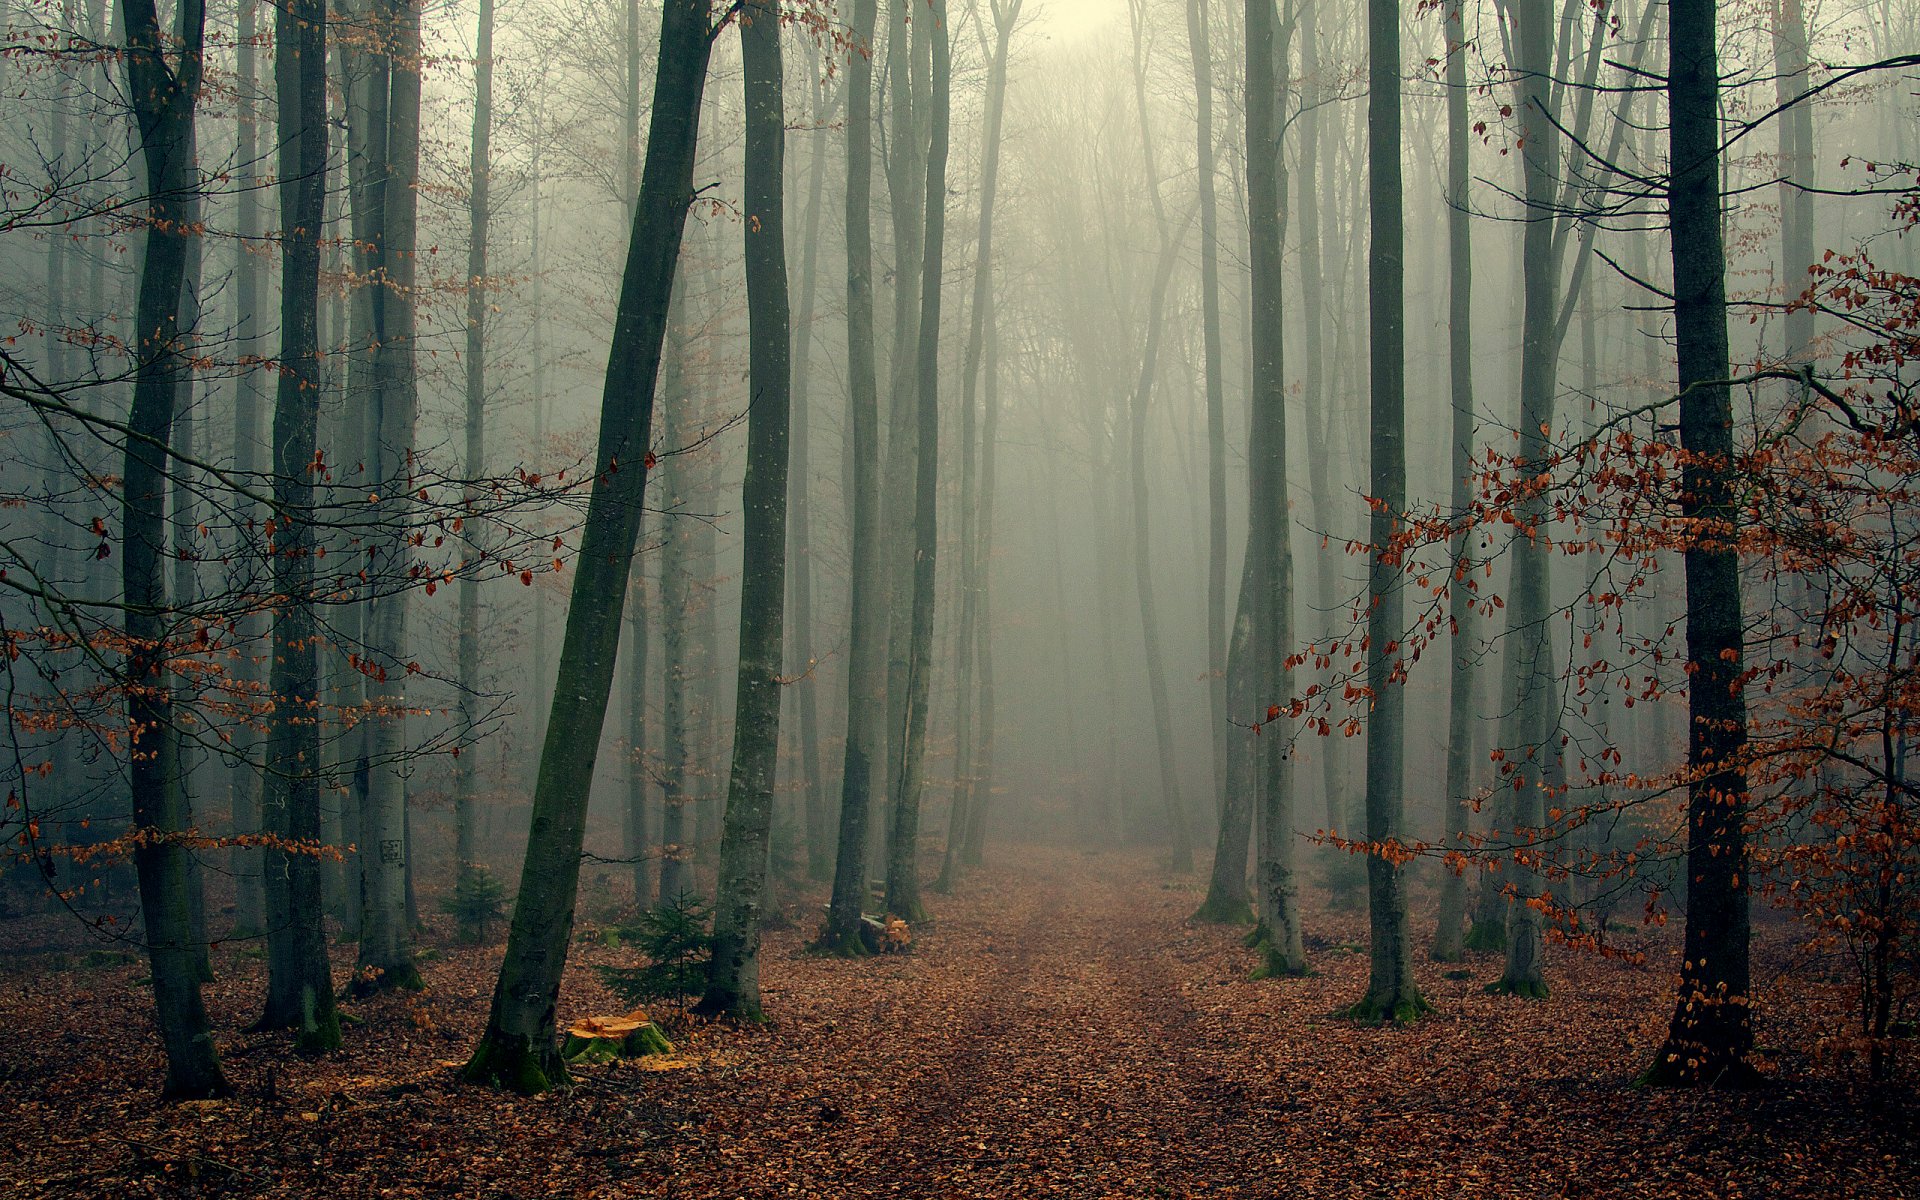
(1060, 1031)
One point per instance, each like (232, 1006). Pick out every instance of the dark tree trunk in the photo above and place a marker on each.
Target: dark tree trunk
(1448, 938)
(903, 871)
(518, 1049)
(733, 978)
(1269, 523)
(1391, 992)
(299, 982)
(250, 905)
(973, 505)
(1711, 1033)
(479, 168)
(164, 95)
(866, 652)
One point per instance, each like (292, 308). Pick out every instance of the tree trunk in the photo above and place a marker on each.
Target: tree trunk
(1448, 938)
(1527, 614)
(866, 651)
(676, 599)
(164, 96)
(386, 933)
(1391, 992)
(972, 560)
(903, 872)
(479, 168)
(518, 1049)
(1143, 561)
(1269, 524)
(906, 162)
(799, 524)
(733, 975)
(981, 802)
(247, 862)
(299, 980)
(1711, 1032)
(1200, 45)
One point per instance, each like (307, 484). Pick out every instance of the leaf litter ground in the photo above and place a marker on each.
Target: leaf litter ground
(1062, 1031)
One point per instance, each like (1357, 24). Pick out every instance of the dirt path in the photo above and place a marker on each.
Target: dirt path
(1060, 1031)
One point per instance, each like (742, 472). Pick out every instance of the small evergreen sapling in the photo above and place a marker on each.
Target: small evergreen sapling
(674, 938)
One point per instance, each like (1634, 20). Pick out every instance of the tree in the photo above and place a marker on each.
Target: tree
(1391, 991)
(973, 505)
(733, 983)
(518, 1048)
(1711, 1033)
(903, 872)
(866, 652)
(386, 211)
(299, 981)
(479, 184)
(1450, 931)
(1269, 524)
(164, 91)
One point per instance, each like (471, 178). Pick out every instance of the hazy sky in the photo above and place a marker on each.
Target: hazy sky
(1070, 20)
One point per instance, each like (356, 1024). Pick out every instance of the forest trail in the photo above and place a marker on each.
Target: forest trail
(1059, 1030)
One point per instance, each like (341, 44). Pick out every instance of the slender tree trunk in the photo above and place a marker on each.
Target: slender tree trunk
(866, 652)
(1711, 1032)
(1269, 524)
(518, 1049)
(386, 931)
(1201, 47)
(635, 655)
(1143, 561)
(981, 801)
(164, 94)
(479, 169)
(799, 514)
(972, 503)
(676, 598)
(1532, 548)
(733, 977)
(1448, 938)
(247, 862)
(299, 980)
(1391, 992)
(906, 162)
(903, 872)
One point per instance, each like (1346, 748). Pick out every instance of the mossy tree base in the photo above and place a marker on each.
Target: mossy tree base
(1487, 937)
(1275, 964)
(372, 983)
(1526, 989)
(1223, 910)
(841, 945)
(1404, 1010)
(515, 1065)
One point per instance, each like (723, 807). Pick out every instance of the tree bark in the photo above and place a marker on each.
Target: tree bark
(1711, 1033)
(1269, 524)
(903, 871)
(518, 1048)
(972, 503)
(866, 651)
(164, 95)
(247, 862)
(299, 980)
(733, 975)
(1531, 721)
(1449, 934)
(479, 168)
(1391, 991)
(385, 960)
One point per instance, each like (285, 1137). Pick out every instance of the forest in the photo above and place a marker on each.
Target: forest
(1003, 598)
